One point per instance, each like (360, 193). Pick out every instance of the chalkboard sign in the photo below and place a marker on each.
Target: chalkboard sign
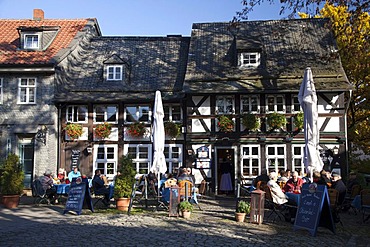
(314, 209)
(78, 195)
(75, 158)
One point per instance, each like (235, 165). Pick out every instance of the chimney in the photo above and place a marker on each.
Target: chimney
(38, 15)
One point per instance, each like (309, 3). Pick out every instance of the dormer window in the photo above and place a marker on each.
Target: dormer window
(249, 59)
(31, 41)
(114, 72)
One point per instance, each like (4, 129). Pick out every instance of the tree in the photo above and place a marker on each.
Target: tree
(352, 35)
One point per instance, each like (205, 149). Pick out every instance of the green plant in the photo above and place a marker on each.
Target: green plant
(126, 178)
(298, 120)
(243, 207)
(172, 129)
(186, 206)
(251, 122)
(225, 123)
(276, 120)
(136, 129)
(12, 178)
(73, 130)
(103, 130)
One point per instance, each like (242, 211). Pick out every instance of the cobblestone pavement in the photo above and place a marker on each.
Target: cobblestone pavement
(29, 225)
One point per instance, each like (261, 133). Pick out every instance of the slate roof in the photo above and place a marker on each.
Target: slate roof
(287, 47)
(150, 64)
(11, 54)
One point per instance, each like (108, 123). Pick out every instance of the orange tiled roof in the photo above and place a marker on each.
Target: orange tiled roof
(9, 40)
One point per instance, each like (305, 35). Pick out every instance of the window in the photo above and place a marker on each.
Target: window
(141, 156)
(249, 59)
(172, 113)
(104, 113)
(137, 114)
(106, 159)
(31, 41)
(275, 158)
(114, 72)
(225, 105)
(173, 154)
(296, 106)
(297, 156)
(27, 91)
(251, 165)
(77, 114)
(250, 104)
(1, 90)
(275, 103)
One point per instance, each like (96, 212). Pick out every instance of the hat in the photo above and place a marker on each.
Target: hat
(335, 175)
(47, 172)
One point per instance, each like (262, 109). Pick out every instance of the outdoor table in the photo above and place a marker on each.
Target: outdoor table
(294, 197)
(62, 189)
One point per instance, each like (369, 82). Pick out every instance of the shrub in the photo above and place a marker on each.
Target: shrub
(12, 177)
(276, 120)
(126, 178)
(225, 123)
(251, 122)
(73, 130)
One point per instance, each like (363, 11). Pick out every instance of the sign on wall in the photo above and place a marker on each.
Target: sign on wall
(202, 160)
(75, 158)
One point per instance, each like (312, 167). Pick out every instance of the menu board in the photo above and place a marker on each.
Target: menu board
(314, 209)
(75, 158)
(78, 196)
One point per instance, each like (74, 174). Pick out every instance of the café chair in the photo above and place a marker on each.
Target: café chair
(275, 209)
(187, 192)
(347, 204)
(333, 197)
(97, 195)
(365, 204)
(39, 193)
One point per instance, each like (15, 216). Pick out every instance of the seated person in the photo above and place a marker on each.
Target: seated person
(183, 175)
(73, 174)
(263, 177)
(48, 186)
(294, 184)
(277, 194)
(338, 184)
(99, 186)
(352, 181)
(62, 175)
(283, 177)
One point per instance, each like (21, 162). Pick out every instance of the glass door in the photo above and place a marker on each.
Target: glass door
(26, 156)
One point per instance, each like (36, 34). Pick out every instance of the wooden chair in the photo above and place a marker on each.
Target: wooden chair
(333, 197)
(365, 204)
(261, 185)
(275, 209)
(188, 194)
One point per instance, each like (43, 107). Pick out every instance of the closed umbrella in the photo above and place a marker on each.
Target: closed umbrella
(158, 137)
(308, 100)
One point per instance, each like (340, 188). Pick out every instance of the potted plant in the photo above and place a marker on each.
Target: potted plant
(298, 120)
(136, 129)
(242, 210)
(276, 120)
(124, 182)
(172, 129)
(103, 130)
(73, 130)
(225, 123)
(251, 122)
(12, 181)
(186, 208)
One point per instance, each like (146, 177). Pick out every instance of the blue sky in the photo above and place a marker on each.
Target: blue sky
(137, 17)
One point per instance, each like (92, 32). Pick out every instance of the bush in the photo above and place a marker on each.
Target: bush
(12, 177)
(243, 207)
(126, 178)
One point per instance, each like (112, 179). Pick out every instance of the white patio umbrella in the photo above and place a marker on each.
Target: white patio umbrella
(158, 137)
(308, 99)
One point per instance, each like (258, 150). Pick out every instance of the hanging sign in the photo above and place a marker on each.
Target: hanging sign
(202, 160)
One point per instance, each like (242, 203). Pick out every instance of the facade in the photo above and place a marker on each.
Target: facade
(213, 85)
(30, 51)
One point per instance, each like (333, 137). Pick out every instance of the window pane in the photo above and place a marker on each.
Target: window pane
(111, 114)
(270, 103)
(254, 150)
(32, 95)
(99, 113)
(131, 114)
(176, 113)
(82, 114)
(23, 95)
(175, 152)
(110, 168)
(31, 82)
(280, 150)
(118, 73)
(100, 154)
(110, 153)
(144, 114)
(245, 151)
(132, 152)
(143, 153)
(297, 150)
(271, 150)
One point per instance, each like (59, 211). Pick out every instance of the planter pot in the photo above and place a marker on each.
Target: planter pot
(122, 204)
(239, 217)
(11, 201)
(186, 214)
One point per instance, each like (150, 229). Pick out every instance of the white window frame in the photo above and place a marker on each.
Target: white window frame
(138, 113)
(168, 111)
(106, 160)
(28, 89)
(275, 99)
(33, 44)
(298, 157)
(136, 159)
(115, 76)
(1, 91)
(249, 59)
(275, 158)
(106, 117)
(295, 97)
(222, 101)
(170, 160)
(250, 158)
(250, 99)
(73, 114)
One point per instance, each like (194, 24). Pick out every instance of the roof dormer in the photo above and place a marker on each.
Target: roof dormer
(37, 38)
